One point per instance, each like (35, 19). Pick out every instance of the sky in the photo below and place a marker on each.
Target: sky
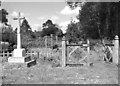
(39, 12)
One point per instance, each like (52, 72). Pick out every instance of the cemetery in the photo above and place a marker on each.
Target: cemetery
(45, 66)
(53, 59)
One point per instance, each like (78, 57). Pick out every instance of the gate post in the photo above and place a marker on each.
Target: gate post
(38, 54)
(56, 39)
(3, 53)
(88, 52)
(63, 52)
(45, 41)
(7, 54)
(116, 50)
(51, 36)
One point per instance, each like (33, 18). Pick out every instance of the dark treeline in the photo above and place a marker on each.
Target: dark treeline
(97, 20)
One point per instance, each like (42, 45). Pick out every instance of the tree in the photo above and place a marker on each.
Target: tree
(99, 19)
(50, 28)
(74, 3)
(59, 33)
(25, 27)
(8, 35)
(6, 30)
(90, 21)
(3, 14)
(73, 33)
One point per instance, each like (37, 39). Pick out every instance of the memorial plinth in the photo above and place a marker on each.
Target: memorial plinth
(19, 52)
(19, 56)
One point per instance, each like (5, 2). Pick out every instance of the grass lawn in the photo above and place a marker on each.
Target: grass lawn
(44, 73)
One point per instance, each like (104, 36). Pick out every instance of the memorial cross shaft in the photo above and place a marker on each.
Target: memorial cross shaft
(19, 18)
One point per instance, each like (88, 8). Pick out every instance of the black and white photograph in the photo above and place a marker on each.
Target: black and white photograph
(59, 42)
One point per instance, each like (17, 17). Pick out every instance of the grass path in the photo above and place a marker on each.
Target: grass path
(100, 73)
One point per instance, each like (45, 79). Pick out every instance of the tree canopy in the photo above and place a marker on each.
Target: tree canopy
(50, 28)
(6, 31)
(98, 19)
(25, 27)
(3, 14)
(73, 33)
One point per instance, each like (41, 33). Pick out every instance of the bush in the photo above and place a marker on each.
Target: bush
(53, 61)
(73, 34)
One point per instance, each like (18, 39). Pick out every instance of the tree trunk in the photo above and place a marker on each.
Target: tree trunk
(117, 14)
(107, 20)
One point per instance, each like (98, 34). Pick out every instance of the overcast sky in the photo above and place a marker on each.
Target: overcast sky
(38, 12)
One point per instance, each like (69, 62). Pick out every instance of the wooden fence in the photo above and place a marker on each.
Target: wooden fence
(112, 48)
(111, 53)
(46, 42)
(31, 53)
(115, 51)
(39, 54)
(6, 54)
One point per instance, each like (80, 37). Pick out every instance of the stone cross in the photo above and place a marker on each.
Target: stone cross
(19, 18)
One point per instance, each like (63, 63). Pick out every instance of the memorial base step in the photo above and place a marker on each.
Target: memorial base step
(26, 60)
(19, 59)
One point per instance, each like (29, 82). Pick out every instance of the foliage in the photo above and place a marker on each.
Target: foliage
(3, 14)
(50, 28)
(6, 31)
(25, 27)
(37, 34)
(89, 19)
(8, 35)
(59, 33)
(99, 19)
(26, 30)
(74, 3)
(73, 33)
